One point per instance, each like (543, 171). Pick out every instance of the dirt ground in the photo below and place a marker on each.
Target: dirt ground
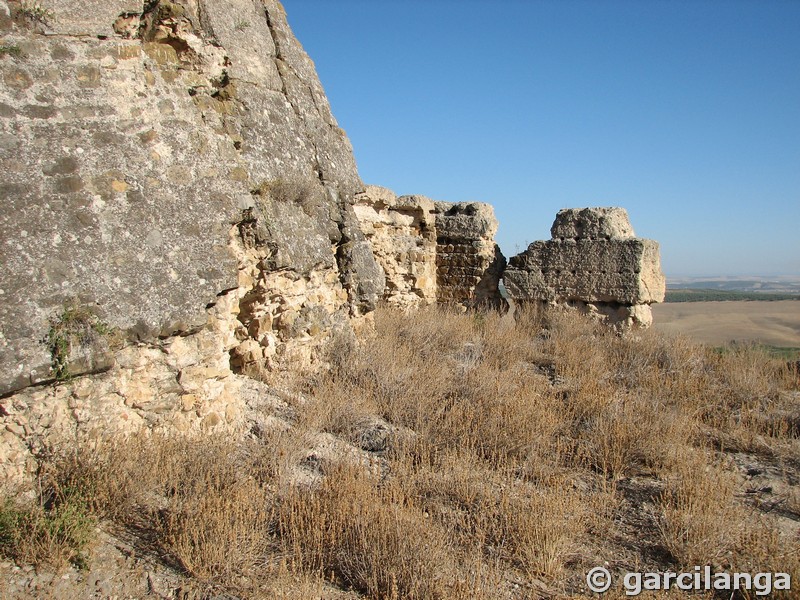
(771, 323)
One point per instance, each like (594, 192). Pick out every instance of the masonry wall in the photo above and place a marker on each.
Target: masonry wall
(469, 263)
(432, 251)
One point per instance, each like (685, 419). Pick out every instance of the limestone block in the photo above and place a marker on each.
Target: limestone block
(594, 264)
(623, 271)
(466, 221)
(91, 17)
(400, 233)
(592, 224)
(432, 251)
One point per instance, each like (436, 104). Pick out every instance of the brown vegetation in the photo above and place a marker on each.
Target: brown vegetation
(486, 458)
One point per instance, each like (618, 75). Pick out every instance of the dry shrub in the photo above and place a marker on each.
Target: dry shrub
(508, 442)
(704, 524)
(369, 538)
(221, 535)
(54, 530)
(743, 400)
(701, 524)
(204, 505)
(285, 584)
(535, 528)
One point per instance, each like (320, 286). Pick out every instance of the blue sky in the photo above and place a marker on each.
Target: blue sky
(686, 113)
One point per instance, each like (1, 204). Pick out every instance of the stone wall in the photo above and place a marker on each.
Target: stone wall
(469, 264)
(432, 251)
(175, 210)
(402, 234)
(180, 384)
(133, 143)
(594, 263)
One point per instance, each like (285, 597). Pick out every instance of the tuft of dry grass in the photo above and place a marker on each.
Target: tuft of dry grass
(53, 531)
(700, 522)
(469, 456)
(372, 539)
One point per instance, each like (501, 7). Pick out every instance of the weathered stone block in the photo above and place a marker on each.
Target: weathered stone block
(465, 221)
(594, 264)
(592, 224)
(622, 271)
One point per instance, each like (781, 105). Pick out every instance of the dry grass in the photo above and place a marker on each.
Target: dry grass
(55, 530)
(506, 454)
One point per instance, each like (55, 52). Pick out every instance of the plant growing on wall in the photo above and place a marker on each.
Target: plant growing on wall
(76, 327)
(36, 13)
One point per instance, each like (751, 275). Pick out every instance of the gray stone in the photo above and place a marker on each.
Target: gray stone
(135, 158)
(590, 270)
(592, 224)
(465, 221)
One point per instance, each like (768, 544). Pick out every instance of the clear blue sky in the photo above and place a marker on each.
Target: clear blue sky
(687, 113)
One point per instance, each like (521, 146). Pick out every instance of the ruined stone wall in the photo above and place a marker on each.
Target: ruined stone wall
(179, 384)
(179, 210)
(175, 209)
(594, 263)
(432, 251)
(469, 263)
(402, 234)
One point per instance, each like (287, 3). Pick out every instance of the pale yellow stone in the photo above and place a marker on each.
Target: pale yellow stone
(188, 402)
(210, 421)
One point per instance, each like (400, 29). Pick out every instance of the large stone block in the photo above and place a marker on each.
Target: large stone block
(468, 221)
(592, 224)
(130, 144)
(88, 17)
(593, 263)
(622, 271)
(469, 262)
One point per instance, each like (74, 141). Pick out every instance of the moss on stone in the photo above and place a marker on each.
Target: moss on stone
(75, 326)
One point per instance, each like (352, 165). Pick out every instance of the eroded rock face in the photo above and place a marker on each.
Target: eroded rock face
(131, 144)
(402, 234)
(175, 212)
(432, 251)
(595, 263)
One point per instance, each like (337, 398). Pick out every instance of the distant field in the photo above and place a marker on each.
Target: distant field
(770, 323)
(708, 295)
